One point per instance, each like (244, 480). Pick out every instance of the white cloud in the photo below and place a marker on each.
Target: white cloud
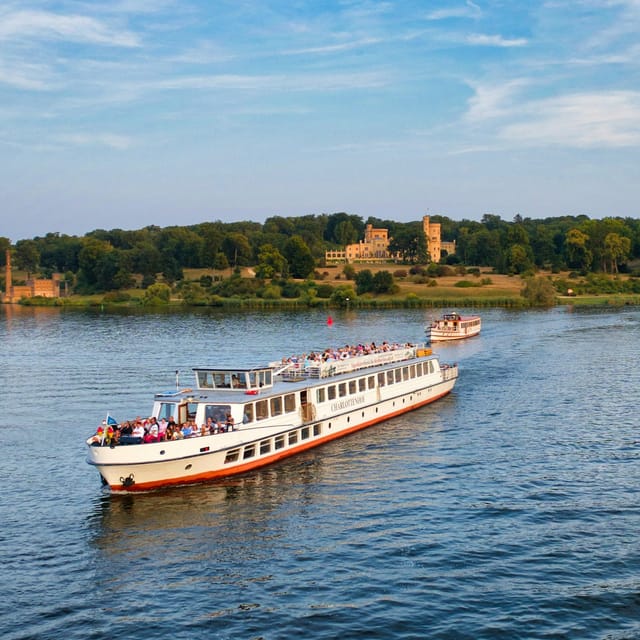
(583, 120)
(495, 41)
(72, 28)
(113, 141)
(469, 10)
(24, 76)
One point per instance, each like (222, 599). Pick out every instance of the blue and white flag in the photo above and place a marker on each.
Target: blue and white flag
(111, 421)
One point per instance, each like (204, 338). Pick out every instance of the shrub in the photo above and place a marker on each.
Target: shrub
(324, 291)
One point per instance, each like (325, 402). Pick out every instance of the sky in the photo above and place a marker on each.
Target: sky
(128, 113)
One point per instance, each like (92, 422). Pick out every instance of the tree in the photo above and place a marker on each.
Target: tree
(89, 263)
(539, 292)
(237, 249)
(27, 256)
(345, 233)
(270, 262)
(578, 254)
(383, 282)
(364, 281)
(616, 248)
(156, 294)
(298, 255)
(5, 244)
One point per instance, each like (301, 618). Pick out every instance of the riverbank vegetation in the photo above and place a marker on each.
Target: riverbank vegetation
(281, 263)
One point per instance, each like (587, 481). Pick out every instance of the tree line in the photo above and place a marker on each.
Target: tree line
(294, 247)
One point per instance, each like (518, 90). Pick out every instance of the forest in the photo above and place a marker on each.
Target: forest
(290, 248)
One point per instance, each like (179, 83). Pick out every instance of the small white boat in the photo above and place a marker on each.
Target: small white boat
(453, 326)
(271, 412)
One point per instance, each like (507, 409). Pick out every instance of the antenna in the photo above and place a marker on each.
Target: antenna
(177, 380)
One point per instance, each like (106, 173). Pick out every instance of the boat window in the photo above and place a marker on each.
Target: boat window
(320, 395)
(265, 447)
(331, 392)
(362, 384)
(222, 380)
(405, 373)
(317, 429)
(419, 369)
(239, 380)
(381, 379)
(412, 370)
(231, 456)
(217, 412)
(279, 442)
(205, 380)
(352, 387)
(431, 366)
(304, 433)
(293, 437)
(398, 375)
(372, 382)
(290, 402)
(167, 409)
(248, 413)
(262, 410)
(276, 406)
(249, 452)
(342, 389)
(389, 377)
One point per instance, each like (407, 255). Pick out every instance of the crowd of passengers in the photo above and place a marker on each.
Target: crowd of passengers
(141, 430)
(316, 358)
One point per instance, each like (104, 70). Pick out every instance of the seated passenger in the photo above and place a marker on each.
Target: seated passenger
(229, 422)
(187, 431)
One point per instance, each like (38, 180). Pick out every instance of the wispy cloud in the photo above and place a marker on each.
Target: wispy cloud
(72, 28)
(22, 75)
(333, 48)
(110, 140)
(469, 10)
(581, 120)
(495, 41)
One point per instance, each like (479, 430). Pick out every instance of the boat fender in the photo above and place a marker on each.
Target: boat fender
(128, 481)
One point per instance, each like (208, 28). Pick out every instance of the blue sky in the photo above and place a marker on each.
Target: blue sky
(125, 113)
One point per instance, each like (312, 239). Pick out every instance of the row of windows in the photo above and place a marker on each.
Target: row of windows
(275, 406)
(278, 405)
(276, 443)
(359, 385)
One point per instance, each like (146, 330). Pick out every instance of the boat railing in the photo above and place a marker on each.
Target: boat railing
(301, 370)
(449, 371)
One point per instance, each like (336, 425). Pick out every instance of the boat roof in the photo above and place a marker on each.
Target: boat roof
(290, 383)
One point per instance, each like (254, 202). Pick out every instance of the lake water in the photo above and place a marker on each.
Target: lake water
(509, 509)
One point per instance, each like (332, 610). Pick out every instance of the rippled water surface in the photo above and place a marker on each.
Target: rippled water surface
(508, 509)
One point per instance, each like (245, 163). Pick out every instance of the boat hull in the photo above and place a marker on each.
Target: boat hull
(205, 458)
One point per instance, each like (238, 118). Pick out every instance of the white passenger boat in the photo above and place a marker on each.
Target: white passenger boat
(453, 326)
(276, 411)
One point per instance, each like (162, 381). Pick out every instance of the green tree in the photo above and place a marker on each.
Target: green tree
(89, 259)
(342, 296)
(271, 262)
(298, 255)
(539, 292)
(579, 256)
(27, 256)
(237, 249)
(364, 281)
(616, 249)
(383, 282)
(156, 294)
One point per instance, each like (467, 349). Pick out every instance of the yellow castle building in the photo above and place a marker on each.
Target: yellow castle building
(375, 246)
(44, 287)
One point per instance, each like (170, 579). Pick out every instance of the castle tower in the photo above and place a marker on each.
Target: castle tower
(432, 233)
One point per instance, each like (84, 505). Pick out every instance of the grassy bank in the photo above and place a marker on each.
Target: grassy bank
(455, 291)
